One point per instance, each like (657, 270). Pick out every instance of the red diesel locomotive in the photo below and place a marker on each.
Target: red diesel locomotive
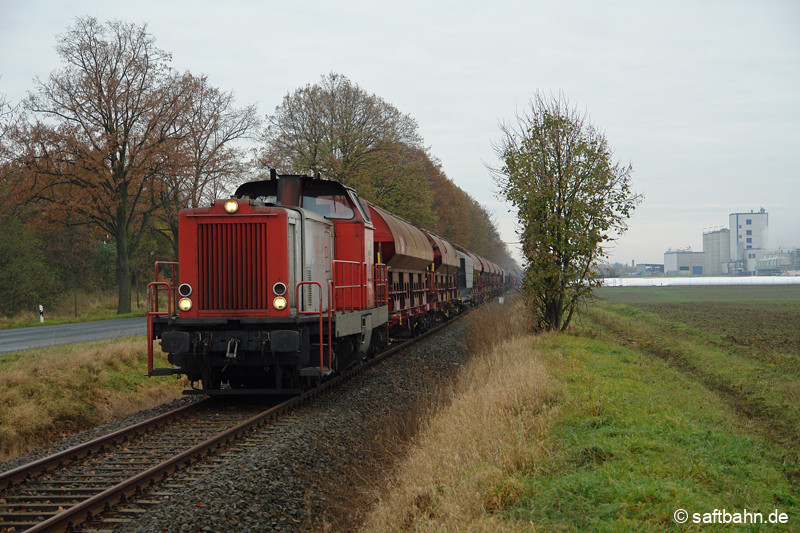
(294, 278)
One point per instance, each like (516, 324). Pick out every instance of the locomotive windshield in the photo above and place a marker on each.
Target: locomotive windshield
(332, 204)
(260, 191)
(326, 198)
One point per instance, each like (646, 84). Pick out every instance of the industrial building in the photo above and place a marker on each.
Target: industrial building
(684, 263)
(748, 238)
(780, 263)
(737, 250)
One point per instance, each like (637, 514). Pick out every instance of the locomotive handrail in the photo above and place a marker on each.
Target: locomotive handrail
(331, 311)
(353, 278)
(174, 264)
(152, 310)
(174, 278)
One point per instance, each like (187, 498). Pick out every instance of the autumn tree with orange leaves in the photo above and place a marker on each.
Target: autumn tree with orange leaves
(119, 138)
(337, 130)
(103, 128)
(333, 128)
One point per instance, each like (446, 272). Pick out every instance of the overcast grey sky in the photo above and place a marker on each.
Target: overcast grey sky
(702, 97)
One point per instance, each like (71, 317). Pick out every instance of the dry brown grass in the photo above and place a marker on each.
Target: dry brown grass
(46, 394)
(85, 301)
(494, 323)
(465, 462)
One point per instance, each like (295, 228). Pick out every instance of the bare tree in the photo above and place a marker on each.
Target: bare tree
(5, 166)
(107, 126)
(332, 128)
(214, 158)
(8, 114)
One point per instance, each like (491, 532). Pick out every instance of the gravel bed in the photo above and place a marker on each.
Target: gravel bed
(320, 468)
(99, 431)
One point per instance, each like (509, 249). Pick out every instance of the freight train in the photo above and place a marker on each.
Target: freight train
(294, 278)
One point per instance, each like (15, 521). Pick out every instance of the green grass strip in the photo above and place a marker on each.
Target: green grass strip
(635, 439)
(766, 391)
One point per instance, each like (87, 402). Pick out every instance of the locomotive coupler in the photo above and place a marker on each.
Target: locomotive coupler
(233, 348)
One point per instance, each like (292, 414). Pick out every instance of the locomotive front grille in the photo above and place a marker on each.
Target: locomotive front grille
(232, 266)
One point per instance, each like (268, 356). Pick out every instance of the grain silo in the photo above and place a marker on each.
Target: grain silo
(717, 250)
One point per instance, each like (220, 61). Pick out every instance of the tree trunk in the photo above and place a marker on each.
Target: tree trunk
(123, 276)
(175, 232)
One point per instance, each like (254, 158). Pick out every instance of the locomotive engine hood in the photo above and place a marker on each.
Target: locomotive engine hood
(232, 260)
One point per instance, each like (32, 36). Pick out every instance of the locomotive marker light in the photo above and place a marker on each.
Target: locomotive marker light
(279, 303)
(231, 206)
(184, 304)
(185, 290)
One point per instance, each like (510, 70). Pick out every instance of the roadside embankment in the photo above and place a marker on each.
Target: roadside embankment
(49, 393)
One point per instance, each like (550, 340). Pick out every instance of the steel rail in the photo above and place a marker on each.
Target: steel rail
(62, 458)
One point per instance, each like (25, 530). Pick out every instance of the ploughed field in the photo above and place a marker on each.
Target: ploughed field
(763, 319)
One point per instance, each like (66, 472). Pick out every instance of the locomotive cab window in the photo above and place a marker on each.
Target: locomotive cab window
(329, 204)
(259, 191)
(362, 206)
(270, 200)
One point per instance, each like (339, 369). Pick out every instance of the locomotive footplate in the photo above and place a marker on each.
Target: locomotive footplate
(314, 371)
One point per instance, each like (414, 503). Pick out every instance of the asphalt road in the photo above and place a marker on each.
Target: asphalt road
(13, 340)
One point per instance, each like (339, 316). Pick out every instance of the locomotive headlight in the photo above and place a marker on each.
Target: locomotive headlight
(231, 206)
(279, 303)
(184, 304)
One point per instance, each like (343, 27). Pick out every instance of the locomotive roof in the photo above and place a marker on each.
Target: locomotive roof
(264, 188)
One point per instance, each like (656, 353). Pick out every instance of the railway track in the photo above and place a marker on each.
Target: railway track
(75, 487)
(65, 489)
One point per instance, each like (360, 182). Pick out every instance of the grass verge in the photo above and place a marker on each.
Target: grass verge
(589, 432)
(49, 393)
(764, 388)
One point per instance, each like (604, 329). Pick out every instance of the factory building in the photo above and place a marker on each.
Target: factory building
(737, 250)
(684, 263)
(780, 263)
(748, 241)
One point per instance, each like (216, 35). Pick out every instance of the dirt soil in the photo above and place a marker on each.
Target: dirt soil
(763, 326)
